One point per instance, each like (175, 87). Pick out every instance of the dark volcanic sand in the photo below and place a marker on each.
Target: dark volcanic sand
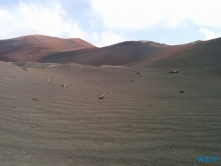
(146, 122)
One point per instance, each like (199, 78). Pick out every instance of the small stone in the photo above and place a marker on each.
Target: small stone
(24, 68)
(181, 91)
(173, 71)
(63, 86)
(36, 99)
(101, 97)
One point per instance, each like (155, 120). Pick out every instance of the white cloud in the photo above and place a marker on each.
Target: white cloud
(52, 20)
(107, 38)
(4, 15)
(135, 15)
(209, 34)
(36, 19)
(117, 16)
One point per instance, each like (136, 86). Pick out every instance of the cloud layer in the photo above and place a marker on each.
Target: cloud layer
(209, 34)
(146, 14)
(31, 19)
(106, 22)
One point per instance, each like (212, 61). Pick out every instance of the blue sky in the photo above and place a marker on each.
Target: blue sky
(106, 22)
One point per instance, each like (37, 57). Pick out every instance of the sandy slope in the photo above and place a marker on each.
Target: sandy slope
(196, 54)
(146, 122)
(146, 55)
(118, 54)
(142, 54)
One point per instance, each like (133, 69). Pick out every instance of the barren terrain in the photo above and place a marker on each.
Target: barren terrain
(65, 102)
(51, 115)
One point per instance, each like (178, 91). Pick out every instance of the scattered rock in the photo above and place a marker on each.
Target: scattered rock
(101, 97)
(24, 68)
(36, 99)
(64, 86)
(173, 71)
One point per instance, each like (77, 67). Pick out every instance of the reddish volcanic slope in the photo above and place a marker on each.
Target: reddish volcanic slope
(146, 54)
(118, 54)
(36, 47)
(191, 55)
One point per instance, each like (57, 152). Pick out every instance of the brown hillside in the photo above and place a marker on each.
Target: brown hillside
(118, 54)
(196, 54)
(144, 54)
(35, 47)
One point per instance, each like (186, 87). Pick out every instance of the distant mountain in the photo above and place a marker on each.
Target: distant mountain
(36, 47)
(191, 55)
(145, 54)
(118, 54)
